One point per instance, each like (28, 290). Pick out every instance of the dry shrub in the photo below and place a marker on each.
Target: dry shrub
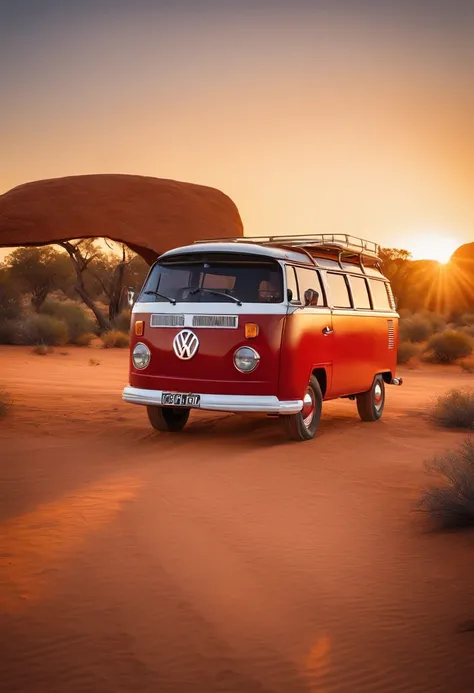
(467, 365)
(84, 339)
(8, 331)
(416, 328)
(436, 320)
(122, 321)
(10, 298)
(407, 351)
(467, 319)
(468, 329)
(455, 409)
(451, 505)
(115, 340)
(452, 326)
(5, 403)
(73, 315)
(41, 350)
(40, 329)
(449, 346)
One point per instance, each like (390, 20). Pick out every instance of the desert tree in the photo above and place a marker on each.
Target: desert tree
(10, 296)
(82, 254)
(396, 267)
(110, 271)
(38, 271)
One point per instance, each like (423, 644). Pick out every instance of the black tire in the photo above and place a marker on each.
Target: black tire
(301, 427)
(170, 419)
(370, 404)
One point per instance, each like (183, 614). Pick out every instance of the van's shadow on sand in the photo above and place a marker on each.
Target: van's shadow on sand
(65, 466)
(251, 431)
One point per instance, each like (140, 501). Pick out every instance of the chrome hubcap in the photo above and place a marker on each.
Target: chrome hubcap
(378, 396)
(308, 407)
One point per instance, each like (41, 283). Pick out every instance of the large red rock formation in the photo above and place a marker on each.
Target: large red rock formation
(461, 268)
(150, 215)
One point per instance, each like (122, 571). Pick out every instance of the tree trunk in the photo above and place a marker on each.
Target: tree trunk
(38, 297)
(80, 265)
(116, 292)
(99, 316)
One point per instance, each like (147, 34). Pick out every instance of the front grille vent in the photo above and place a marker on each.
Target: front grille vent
(226, 321)
(166, 320)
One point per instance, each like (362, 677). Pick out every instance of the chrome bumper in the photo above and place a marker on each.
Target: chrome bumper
(234, 403)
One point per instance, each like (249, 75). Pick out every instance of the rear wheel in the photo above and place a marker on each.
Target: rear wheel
(370, 404)
(303, 425)
(171, 419)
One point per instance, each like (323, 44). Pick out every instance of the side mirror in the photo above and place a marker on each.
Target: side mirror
(131, 296)
(311, 297)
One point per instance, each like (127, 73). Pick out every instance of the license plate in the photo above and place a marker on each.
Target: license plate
(179, 399)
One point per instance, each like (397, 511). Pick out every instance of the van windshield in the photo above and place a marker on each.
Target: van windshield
(214, 280)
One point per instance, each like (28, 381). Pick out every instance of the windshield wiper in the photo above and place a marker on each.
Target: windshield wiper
(216, 293)
(157, 293)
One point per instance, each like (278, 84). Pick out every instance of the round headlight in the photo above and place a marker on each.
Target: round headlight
(141, 356)
(246, 359)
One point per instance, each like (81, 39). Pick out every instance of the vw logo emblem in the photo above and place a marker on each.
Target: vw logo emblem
(185, 344)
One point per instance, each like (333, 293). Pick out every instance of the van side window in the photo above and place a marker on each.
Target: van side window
(391, 297)
(309, 279)
(380, 295)
(291, 284)
(360, 293)
(339, 291)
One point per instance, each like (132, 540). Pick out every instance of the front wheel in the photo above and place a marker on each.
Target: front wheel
(170, 419)
(303, 425)
(370, 404)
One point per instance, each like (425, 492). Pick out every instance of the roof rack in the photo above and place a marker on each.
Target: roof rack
(351, 245)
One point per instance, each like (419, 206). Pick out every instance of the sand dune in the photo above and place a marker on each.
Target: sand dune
(223, 559)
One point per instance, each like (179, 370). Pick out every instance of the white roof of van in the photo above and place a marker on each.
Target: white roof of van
(271, 251)
(250, 248)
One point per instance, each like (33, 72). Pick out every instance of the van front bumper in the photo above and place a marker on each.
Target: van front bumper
(267, 404)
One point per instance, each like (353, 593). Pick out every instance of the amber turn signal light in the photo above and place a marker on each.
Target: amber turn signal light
(251, 330)
(139, 327)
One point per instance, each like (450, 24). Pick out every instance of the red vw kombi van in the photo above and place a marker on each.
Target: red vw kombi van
(273, 325)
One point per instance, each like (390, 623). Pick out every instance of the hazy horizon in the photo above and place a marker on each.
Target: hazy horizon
(319, 117)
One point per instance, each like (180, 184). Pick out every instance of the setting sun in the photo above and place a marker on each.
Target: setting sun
(432, 247)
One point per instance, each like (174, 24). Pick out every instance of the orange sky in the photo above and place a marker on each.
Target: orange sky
(312, 119)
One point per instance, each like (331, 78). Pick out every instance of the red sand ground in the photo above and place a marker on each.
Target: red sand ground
(223, 558)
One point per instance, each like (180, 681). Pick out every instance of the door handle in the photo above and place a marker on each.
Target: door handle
(327, 330)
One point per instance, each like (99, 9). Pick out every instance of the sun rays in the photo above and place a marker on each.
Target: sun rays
(432, 246)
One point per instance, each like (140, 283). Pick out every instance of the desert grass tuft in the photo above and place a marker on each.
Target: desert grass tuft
(114, 339)
(449, 504)
(454, 409)
(407, 351)
(449, 346)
